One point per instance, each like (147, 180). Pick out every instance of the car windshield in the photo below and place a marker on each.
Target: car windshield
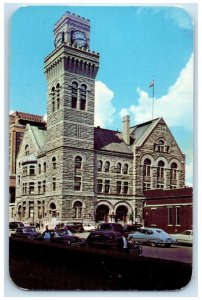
(187, 232)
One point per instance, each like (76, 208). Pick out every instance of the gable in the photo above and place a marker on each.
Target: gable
(35, 138)
(161, 132)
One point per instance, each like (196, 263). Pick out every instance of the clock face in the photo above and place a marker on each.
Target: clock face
(59, 39)
(79, 39)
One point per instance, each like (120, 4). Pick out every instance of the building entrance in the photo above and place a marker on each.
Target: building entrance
(102, 213)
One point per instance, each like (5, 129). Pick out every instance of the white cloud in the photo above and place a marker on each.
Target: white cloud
(189, 174)
(176, 107)
(45, 117)
(104, 109)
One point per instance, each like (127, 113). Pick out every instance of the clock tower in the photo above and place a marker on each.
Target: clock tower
(70, 71)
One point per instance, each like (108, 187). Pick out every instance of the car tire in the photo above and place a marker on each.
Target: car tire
(153, 244)
(167, 245)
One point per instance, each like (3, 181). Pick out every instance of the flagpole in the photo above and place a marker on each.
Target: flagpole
(153, 100)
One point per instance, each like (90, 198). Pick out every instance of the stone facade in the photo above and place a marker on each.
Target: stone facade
(75, 172)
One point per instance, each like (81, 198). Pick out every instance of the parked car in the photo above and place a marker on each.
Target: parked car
(74, 226)
(59, 236)
(151, 236)
(110, 226)
(88, 226)
(15, 225)
(131, 228)
(28, 232)
(185, 237)
(107, 239)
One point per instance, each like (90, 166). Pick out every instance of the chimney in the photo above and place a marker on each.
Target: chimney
(126, 129)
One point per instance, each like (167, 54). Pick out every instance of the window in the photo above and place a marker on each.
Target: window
(147, 167)
(99, 165)
(78, 162)
(39, 168)
(107, 166)
(160, 169)
(44, 167)
(160, 186)
(125, 169)
(44, 186)
(53, 98)
(146, 186)
(107, 186)
(54, 184)
(177, 213)
(39, 187)
(54, 163)
(170, 220)
(26, 150)
(53, 105)
(118, 187)
(58, 95)
(74, 94)
(31, 187)
(125, 187)
(83, 97)
(24, 188)
(24, 171)
(32, 170)
(118, 168)
(77, 183)
(99, 185)
(161, 146)
(174, 171)
(77, 207)
(31, 209)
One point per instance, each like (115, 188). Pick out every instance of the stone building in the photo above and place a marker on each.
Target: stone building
(76, 172)
(17, 125)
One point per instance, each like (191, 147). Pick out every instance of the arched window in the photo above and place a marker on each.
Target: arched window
(53, 98)
(99, 165)
(125, 169)
(27, 150)
(44, 167)
(161, 146)
(54, 184)
(107, 166)
(78, 162)
(160, 169)
(147, 167)
(54, 163)
(58, 87)
(74, 94)
(118, 168)
(83, 97)
(173, 171)
(77, 207)
(39, 168)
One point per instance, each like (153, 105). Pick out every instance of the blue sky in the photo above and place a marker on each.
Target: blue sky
(136, 44)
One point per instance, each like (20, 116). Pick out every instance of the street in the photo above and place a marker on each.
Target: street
(175, 252)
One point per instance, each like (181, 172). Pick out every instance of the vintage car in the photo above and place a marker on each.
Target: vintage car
(185, 237)
(151, 236)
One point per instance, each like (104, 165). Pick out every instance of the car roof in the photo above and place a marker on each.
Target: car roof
(105, 232)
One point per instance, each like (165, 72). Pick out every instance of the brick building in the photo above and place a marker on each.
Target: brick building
(17, 125)
(74, 171)
(171, 210)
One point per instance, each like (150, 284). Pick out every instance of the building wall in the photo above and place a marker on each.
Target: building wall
(171, 210)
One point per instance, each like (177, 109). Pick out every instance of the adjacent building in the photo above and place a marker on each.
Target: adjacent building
(74, 171)
(171, 210)
(17, 125)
